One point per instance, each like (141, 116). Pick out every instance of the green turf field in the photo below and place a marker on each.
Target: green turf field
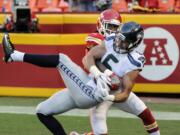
(15, 124)
(22, 124)
(24, 101)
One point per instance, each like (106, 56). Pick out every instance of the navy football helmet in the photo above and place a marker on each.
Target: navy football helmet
(128, 37)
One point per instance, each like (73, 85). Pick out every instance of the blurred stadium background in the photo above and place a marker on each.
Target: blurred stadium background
(52, 26)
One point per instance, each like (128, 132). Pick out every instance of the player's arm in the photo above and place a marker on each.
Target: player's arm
(92, 40)
(130, 77)
(89, 59)
(101, 67)
(128, 82)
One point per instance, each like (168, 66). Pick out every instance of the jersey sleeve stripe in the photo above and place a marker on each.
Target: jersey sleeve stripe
(133, 61)
(98, 41)
(110, 38)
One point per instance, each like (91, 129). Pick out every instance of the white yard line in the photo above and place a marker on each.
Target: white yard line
(77, 112)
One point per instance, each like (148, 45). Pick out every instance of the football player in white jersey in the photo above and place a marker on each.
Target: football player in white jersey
(80, 95)
(118, 54)
(81, 90)
(68, 98)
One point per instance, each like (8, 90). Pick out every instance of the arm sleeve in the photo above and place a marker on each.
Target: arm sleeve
(136, 62)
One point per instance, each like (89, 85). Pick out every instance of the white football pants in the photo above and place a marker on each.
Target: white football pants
(77, 94)
(98, 114)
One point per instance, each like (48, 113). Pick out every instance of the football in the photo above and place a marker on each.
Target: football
(115, 82)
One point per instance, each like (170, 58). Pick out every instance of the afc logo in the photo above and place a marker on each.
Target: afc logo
(162, 54)
(155, 48)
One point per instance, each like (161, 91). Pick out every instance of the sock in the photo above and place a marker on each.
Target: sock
(17, 56)
(90, 133)
(52, 124)
(155, 133)
(149, 122)
(50, 61)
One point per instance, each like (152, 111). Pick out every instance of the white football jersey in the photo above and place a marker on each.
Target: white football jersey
(121, 64)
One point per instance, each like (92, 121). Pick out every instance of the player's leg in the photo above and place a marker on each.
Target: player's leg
(58, 103)
(78, 82)
(98, 116)
(73, 75)
(10, 54)
(136, 106)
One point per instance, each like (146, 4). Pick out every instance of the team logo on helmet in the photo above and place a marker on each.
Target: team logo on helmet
(162, 54)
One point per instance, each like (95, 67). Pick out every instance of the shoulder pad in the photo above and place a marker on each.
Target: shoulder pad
(94, 38)
(96, 35)
(137, 59)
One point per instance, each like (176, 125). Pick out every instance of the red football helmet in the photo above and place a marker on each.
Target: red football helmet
(108, 22)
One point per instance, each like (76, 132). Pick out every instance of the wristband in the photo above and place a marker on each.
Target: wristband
(110, 98)
(108, 72)
(95, 71)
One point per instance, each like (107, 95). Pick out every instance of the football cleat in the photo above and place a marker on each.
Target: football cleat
(8, 48)
(76, 133)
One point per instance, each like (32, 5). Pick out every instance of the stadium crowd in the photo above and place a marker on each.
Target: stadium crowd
(95, 5)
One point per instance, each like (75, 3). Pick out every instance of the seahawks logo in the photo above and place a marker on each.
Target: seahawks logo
(142, 59)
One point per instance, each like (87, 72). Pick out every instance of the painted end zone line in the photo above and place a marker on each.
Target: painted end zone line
(84, 113)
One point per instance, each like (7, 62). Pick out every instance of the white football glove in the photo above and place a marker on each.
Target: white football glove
(102, 93)
(102, 90)
(109, 98)
(104, 78)
(99, 75)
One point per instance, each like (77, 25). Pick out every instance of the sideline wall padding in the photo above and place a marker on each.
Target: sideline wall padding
(85, 23)
(17, 77)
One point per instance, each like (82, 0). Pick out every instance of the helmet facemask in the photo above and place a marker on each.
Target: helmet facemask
(120, 44)
(108, 27)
